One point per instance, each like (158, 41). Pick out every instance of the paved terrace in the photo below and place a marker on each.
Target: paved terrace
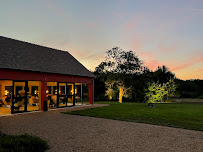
(79, 133)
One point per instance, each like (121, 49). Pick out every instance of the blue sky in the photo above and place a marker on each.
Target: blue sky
(161, 32)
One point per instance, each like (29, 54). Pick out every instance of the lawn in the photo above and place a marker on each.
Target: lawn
(22, 143)
(180, 115)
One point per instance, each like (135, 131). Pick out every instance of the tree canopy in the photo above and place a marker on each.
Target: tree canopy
(120, 61)
(119, 65)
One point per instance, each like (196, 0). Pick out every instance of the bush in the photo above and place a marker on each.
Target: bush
(189, 94)
(22, 143)
(200, 97)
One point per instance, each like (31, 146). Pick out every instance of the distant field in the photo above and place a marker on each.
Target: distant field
(189, 100)
(180, 115)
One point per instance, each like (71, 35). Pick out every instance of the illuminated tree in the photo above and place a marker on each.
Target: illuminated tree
(171, 88)
(119, 66)
(156, 91)
(123, 91)
(109, 92)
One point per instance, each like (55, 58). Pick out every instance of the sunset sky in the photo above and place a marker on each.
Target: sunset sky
(161, 32)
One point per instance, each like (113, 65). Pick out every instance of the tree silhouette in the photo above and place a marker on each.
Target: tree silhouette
(119, 66)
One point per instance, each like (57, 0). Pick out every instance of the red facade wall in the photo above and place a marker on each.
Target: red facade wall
(38, 76)
(6, 74)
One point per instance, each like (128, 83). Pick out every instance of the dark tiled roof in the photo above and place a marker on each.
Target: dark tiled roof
(15, 54)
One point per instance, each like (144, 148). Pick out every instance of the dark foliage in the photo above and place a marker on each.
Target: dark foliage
(185, 89)
(190, 88)
(22, 143)
(126, 66)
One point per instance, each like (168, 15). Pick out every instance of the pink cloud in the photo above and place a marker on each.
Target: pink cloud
(200, 69)
(90, 25)
(153, 64)
(168, 48)
(55, 8)
(137, 44)
(189, 62)
(76, 52)
(149, 60)
(84, 56)
(130, 25)
(148, 55)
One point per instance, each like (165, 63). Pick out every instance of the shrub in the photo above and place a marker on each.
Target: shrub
(189, 94)
(200, 97)
(22, 143)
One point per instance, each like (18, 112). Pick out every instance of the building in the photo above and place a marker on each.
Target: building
(32, 75)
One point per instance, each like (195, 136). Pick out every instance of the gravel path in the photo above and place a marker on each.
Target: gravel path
(79, 133)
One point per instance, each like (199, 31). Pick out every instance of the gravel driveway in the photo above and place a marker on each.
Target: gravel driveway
(79, 133)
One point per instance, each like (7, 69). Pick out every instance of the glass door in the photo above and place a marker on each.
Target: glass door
(19, 96)
(78, 93)
(62, 99)
(65, 94)
(70, 94)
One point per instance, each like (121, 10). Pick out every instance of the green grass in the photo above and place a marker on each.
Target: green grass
(22, 143)
(180, 115)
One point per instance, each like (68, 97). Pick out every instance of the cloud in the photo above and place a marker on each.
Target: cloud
(163, 47)
(89, 60)
(84, 55)
(189, 62)
(145, 55)
(130, 25)
(149, 60)
(199, 70)
(87, 57)
(152, 64)
(55, 8)
(91, 25)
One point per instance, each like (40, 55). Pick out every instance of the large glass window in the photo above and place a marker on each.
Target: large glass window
(51, 94)
(70, 93)
(19, 96)
(82, 93)
(85, 94)
(25, 97)
(34, 95)
(62, 95)
(78, 93)
(6, 88)
(66, 94)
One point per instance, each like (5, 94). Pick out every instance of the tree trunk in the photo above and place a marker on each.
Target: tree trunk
(121, 92)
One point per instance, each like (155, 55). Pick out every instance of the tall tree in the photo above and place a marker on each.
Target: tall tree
(119, 65)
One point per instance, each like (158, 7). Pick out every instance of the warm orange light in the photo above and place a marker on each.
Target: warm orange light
(6, 92)
(75, 91)
(47, 91)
